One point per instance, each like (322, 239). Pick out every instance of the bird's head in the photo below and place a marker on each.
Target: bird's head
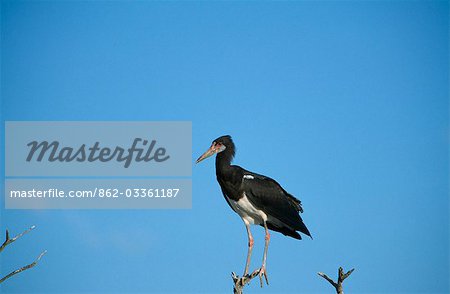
(219, 145)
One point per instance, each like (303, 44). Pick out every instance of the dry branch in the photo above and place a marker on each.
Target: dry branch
(28, 266)
(341, 278)
(8, 241)
(240, 282)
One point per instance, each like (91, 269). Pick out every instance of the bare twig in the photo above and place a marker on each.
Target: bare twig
(341, 278)
(240, 282)
(328, 279)
(9, 240)
(23, 267)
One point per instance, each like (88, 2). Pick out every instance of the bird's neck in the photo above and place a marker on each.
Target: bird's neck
(223, 162)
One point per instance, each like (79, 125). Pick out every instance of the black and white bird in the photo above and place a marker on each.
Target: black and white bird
(257, 199)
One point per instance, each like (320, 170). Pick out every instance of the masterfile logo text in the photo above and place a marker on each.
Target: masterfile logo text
(53, 152)
(98, 148)
(98, 165)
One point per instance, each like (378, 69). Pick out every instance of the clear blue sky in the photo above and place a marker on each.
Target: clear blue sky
(344, 103)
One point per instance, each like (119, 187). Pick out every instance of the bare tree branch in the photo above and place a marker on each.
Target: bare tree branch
(240, 282)
(23, 267)
(328, 279)
(341, 278)
(8, 241)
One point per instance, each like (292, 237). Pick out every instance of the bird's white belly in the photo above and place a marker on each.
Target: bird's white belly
(247, 211)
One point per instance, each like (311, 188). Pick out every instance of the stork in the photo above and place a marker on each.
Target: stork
(257, 199)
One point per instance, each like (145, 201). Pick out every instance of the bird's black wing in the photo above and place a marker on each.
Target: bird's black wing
(266, 194)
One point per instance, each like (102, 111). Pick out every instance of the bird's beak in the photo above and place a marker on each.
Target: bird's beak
(215, 148)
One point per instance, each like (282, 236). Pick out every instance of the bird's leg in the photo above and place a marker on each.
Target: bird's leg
(250, 248)
(262, 271)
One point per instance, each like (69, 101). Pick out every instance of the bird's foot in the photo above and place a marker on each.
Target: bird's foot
(263, 272)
